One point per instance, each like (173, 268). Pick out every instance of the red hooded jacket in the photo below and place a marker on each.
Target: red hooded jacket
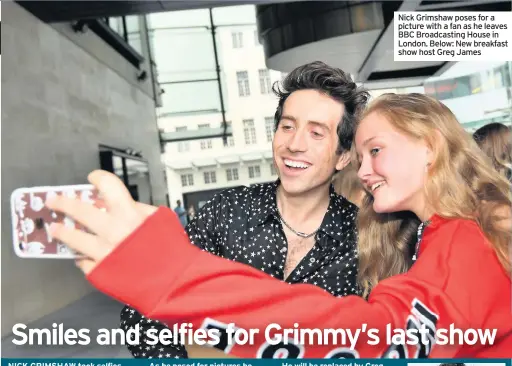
(457, 283)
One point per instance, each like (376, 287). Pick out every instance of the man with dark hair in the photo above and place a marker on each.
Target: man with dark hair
(296, 229)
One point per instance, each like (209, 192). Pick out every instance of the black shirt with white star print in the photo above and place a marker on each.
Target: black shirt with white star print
(242, 224)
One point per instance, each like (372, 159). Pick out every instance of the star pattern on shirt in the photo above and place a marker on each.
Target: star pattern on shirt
(242, 224)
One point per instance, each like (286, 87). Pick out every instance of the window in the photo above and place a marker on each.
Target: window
(187, 180)
(205, 143)
(231, 140)
(273, 170)
(183, 145)
(269, 128)
(254, 171)
(249, 132)
(210, 177)
(265, 86)
(243, 83)
(232, 174)
(238, 39)
(128, 28)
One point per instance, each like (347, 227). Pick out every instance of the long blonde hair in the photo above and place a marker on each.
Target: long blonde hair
(494, 140)
(347, 184)
(461, 184)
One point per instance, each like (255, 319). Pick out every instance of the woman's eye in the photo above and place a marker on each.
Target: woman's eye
(374, 151)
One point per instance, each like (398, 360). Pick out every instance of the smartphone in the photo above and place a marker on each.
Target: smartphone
(31, 220)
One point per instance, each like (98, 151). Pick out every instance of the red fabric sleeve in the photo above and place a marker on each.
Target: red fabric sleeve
(157, 271)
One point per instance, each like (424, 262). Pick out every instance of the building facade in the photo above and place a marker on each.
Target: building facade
(478, 93)
(197, 169)
(68, 95)
(189, 45)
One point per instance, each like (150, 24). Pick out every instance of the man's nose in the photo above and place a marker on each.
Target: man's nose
(298, 141)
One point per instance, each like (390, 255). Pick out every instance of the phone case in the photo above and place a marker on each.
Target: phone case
(31, 220)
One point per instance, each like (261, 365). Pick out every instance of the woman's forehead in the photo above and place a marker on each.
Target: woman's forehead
(373, 123)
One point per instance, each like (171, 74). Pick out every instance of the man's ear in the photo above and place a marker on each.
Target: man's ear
(343, 160)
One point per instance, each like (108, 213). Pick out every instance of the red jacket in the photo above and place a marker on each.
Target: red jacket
(457, 280)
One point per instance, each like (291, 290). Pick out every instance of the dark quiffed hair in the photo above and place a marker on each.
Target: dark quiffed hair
(333, 82)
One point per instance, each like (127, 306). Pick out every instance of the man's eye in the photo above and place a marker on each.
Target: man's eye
(286, 128)
(374, 151)
(316, 134)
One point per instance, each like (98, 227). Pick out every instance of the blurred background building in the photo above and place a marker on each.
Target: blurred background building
(175, 97)
(194, 100)
(477, 92)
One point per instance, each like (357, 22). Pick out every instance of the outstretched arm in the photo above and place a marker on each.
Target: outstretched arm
(185, 284)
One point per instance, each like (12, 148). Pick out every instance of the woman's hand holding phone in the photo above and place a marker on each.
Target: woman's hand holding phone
(107, 228)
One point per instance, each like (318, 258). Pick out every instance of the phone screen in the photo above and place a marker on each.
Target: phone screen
(31, 220)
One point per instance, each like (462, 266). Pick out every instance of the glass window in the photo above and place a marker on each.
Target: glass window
(254, 171)
(180, 19)
(210, 177)
(116, 24)
(138, 180)
(501, 76)
(183, 145)
(265, 84)
(194, 97)
(187, 180)
(475, 83)
(186, 74)
(117, 161)
(430, 90)
(237, 39)
(506, 75)
(205, 143)
(232, 174)
(444, 89)
(128, 28)
(177, 61)
(234, 15)
(269, 128)
(249, 132)
(231, 140)
(462, 87)
(243, 83)
(133, 32)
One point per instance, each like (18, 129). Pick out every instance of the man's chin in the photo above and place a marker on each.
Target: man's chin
(296, 187)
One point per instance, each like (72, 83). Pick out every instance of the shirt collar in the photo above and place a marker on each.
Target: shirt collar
(264, 203)
(265, 208)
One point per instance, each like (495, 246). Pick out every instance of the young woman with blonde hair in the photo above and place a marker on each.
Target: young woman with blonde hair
(456, 183)
(425, 178)
(495, 140)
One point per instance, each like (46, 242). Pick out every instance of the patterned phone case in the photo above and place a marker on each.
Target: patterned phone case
(31, 220)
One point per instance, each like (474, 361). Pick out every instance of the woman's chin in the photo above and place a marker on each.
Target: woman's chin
(381, 207)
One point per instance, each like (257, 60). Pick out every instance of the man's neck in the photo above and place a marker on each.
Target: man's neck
(307, 209)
